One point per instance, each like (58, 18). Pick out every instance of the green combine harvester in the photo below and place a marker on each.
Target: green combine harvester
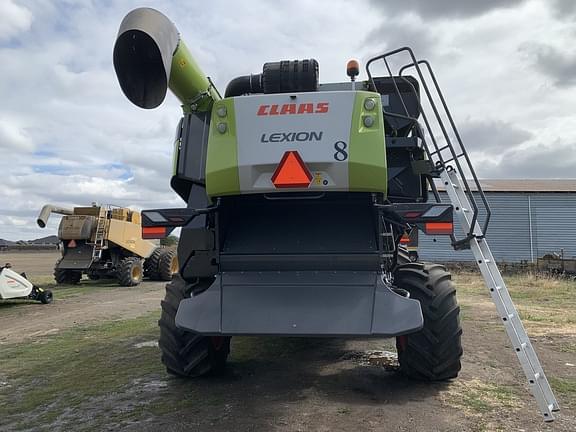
(298, 194)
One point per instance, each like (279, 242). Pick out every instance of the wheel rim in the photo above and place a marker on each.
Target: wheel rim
(136, 273)
(174, 265)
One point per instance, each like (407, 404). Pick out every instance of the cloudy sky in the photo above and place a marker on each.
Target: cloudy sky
(68, 136)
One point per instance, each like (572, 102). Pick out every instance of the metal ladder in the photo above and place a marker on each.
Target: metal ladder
(453, 169)
(537, 381)
(100, 237)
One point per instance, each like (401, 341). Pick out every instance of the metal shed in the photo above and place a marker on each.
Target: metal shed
(530, 218)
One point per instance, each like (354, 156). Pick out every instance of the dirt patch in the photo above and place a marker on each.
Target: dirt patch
(20, 321)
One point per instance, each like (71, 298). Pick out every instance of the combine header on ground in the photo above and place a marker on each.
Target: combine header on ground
(298, 194)
(106, 242)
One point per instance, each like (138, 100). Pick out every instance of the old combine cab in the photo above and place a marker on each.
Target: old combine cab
(106, 242)
(298, 194)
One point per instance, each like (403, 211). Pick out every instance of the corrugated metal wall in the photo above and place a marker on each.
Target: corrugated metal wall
(552, 218)
(554, 223)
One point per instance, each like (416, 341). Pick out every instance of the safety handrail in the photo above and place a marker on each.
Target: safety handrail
(435, 154)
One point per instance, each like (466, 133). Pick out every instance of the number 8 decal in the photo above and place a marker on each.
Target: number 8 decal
(341, 155)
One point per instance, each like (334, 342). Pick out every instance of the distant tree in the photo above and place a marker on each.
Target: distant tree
(169, 241)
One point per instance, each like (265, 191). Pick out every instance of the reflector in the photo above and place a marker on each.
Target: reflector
(439, 228)
(154, 232)
(72, 244)
(291, 172)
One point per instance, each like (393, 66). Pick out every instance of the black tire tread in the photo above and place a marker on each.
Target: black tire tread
(433, 353)
(46, 297)
(186, 354)
(66, 277)
(164, 270)
(124, 272)
(152, 263)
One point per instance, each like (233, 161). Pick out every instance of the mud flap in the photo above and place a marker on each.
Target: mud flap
(298, 304)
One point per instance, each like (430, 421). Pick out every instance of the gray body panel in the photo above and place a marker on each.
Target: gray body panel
(78, 258)
(259, 153)
(321, 303)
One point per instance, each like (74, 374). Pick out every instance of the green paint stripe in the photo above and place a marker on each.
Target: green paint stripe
(222, 176)
(367, 168)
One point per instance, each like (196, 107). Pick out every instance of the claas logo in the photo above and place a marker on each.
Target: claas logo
(292, 108)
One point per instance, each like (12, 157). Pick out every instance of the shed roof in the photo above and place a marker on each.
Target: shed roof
(524, 185)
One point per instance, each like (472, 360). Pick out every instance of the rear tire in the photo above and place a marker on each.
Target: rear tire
(184, 353)
(433, 353)
(168, 264)
(130, 271)
(152, 263)
(66, 277)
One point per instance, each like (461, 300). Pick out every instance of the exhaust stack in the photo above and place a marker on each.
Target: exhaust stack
(150, 57)
(47, 210)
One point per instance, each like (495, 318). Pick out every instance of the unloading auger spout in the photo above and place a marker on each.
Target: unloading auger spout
(47, 210)
(150, 57)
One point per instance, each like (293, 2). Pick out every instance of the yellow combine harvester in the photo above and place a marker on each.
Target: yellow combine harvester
(106, 242)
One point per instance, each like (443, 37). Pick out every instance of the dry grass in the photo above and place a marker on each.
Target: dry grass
(540, 298)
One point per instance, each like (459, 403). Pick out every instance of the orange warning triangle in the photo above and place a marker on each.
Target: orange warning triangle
(291, 172)
(72, 244)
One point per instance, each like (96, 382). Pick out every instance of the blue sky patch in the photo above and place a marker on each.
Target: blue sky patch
(51, 169)
(44, 153)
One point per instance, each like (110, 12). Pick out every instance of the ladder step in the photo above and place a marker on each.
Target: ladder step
(522, 347)
(440, 149)
(451, 159)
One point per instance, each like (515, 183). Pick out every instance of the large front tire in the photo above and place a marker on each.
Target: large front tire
(433, 353)
(184, 353)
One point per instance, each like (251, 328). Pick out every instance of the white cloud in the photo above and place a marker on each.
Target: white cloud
(15, 19)
(13, 137)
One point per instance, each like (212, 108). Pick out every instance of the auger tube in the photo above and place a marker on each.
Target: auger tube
(150, 57)
(47, 210)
